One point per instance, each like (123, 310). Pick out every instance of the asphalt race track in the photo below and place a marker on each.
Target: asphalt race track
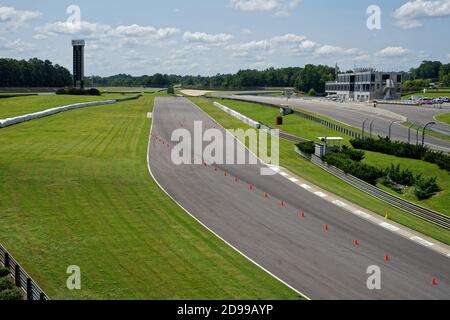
(230, 200)
(355, 117)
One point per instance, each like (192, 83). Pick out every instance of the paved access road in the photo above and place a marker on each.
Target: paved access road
(320, 264)
(354, 116)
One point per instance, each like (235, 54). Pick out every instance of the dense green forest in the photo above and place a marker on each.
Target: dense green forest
(33, 73)
(303, 79)
(310, 78)
(428, 72)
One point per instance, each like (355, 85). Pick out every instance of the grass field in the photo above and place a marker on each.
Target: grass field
(11, 107)
(75, 190)
(294, 163)
(444, 118)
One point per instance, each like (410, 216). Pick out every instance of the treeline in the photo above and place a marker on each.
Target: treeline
(428, 72)
(305, 79)
(33, 73)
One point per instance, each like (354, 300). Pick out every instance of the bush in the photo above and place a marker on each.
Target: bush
(171, 90)
(360, 170)
(404, 177)
(307, 147)
(6, 284)
(355, 155)
(426, 188)
(11, 295)
(79, 92)
(3, 272)
(312, 93)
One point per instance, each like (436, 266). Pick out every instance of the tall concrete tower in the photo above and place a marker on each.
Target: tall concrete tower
(78, 62)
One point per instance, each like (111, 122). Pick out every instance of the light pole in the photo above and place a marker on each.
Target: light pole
(390, 129)
(424, 132)
(364, 127)
(418, 129)
(409, 132)
(371, 126)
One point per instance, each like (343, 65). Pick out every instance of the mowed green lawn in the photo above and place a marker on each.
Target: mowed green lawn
(290, 160)
(444, 118)
(12, 107)
(75, 190)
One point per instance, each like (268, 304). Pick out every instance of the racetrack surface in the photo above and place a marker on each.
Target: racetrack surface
(355, 117)
(230, 200)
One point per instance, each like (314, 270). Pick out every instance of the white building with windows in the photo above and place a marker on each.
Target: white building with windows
(366, 85)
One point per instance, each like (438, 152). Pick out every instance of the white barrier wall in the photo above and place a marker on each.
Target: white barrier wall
(239, 116)
(41, 114)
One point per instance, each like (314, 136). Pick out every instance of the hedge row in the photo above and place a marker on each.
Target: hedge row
(79, 92)
(403, 150)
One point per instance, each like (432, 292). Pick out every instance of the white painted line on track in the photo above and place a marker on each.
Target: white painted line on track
(339, 203)
(362, 214)
(284, 174)
(422, 242)
(293, 180)
(321, 194)
(389, 227)
(306, 187)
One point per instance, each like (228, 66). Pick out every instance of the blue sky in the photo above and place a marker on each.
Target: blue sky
(222, 36)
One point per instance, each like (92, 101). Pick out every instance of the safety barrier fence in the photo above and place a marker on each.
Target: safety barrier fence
(21, 278)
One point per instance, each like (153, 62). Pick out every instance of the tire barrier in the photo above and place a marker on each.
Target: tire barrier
(239, 116)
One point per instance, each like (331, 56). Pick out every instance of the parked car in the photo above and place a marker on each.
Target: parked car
(427, 101)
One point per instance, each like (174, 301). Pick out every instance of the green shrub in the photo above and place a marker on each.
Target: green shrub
(355, 155)
(79, 92)
(3, 272)
(360, 170)
(171, 90)
(11, 295)
(426, 188)
(307, 147)
(404, 177)
(6, 284)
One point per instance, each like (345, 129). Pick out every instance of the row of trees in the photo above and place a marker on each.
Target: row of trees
(310, 77)
(33, 73)
(428, 72)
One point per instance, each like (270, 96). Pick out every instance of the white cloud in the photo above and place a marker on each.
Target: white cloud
(103, 31)
(83, 28)
(288, 38)
(262, 45)
(326, 49)
(392, 52)
(144, 32)
(202, 37)
(412, 13)
(280, 7)
(16, 18)
(15, 46)
(307, 45)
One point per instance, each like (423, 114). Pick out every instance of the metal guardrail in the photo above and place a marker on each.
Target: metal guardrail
(21, 278)
(412, 208)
